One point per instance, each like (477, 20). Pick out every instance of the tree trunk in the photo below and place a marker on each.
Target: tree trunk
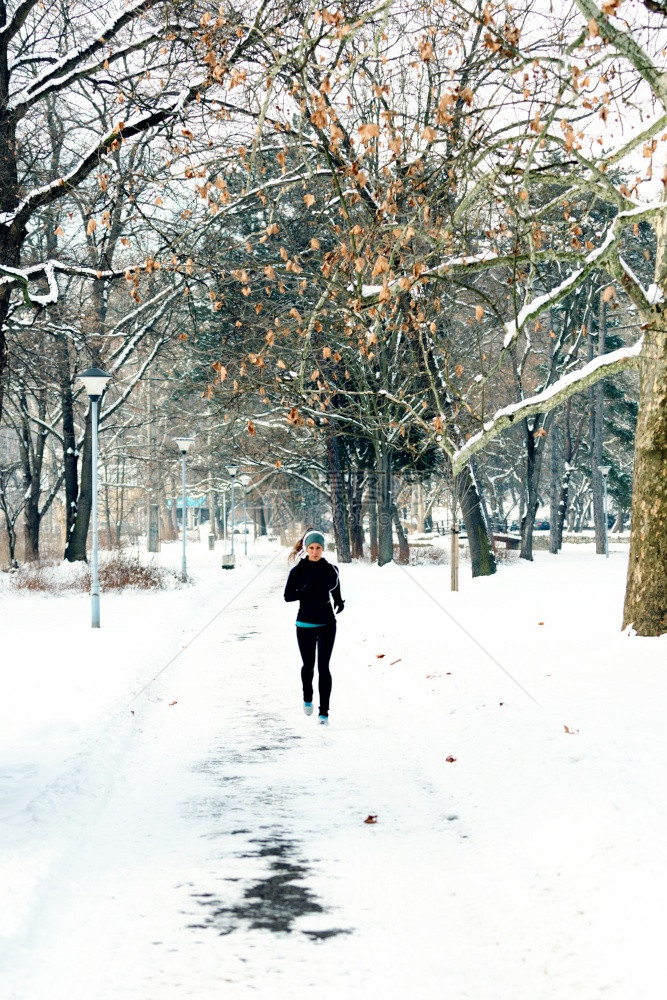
(403, 546)
(166, 526)
(32, 456)
(173, 510)
(418, 507)
(373, 515)
(10, 517)
(583, 514)
(533, 463)
(482, 557)
(111, 534)
(212, 504)
(282, 527)
(30, 531)
(261, 516)
(568, 454)
(482, 499)
(385, 535)
(597, 431)
(562, 505)
(4, 309)
(75, 550)
(118, 524)
(338, 499)
(10, 242)
(646, 592)
(11, 541)
(555, 538)
(571, 516)
(356, 525)
(70, 452)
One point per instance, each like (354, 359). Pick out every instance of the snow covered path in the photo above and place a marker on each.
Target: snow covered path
(225, 854)
(252, 823)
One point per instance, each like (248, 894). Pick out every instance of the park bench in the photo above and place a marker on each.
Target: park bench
(511, 541)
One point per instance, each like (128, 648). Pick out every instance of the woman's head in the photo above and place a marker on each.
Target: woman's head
(313, 537)
(315, 551)
(312, 543)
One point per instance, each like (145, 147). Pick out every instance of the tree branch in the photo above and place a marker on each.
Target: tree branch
(543, 402)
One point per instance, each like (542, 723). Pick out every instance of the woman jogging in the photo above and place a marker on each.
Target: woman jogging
(314, 583)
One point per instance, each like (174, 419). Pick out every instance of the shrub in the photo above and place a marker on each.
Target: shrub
(31, 577)
(117, 571)
(428, 555)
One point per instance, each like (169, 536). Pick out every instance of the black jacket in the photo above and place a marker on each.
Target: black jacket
(315, 585)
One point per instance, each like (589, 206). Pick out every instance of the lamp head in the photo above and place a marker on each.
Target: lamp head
(184, 443)
(232, 470)
(244, 480)
(94, 382)
(604, 470)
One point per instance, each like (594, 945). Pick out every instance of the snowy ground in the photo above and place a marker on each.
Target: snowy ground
(172, 825)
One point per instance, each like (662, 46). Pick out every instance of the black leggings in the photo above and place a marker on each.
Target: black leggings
(320, 640)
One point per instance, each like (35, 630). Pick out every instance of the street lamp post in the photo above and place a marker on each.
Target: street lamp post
(232, 470)
(94, 382)
(604, 472)
(183, 443)
(244, 480)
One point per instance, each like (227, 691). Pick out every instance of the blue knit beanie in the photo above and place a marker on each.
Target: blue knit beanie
(313, 537)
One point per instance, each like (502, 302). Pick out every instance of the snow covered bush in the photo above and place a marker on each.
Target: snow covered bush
(117, 571)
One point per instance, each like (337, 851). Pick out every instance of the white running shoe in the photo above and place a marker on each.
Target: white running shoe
(308, 707)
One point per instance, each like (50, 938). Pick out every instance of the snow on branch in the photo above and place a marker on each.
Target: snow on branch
(652, 295)
(10, 28)
(90, 159)
(625, 43)
(136, 378)
(73, 270)
(554, 295)
(472, 263)
(145, 307)
(129, 346)
(17, 276)
(69, 66)
(23, 277)
(553, 396)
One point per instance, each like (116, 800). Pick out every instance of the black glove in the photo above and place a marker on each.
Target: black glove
(339, 607)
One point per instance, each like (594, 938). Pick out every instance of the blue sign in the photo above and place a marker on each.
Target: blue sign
(189, 502)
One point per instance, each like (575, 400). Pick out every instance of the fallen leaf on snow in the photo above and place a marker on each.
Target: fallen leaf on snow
(450, 760)
(571, 732)
(379, 656)
(172, 703)
(371, 818)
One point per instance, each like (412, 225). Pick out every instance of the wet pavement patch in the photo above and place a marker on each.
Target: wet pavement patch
(273, 902)
(241, 636)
